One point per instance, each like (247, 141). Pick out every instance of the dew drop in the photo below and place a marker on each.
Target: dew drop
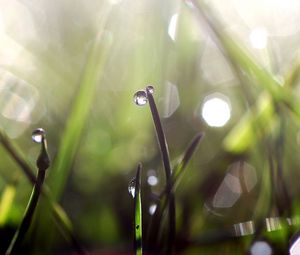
(150, 89)
(140, 98)
(38, 135)
(131, 187)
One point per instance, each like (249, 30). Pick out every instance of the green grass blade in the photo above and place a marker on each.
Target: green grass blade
(76, 123)
(138, 224)
(240, 137)
(59, 215)
(189, 152)
(42, 163)
(261, 117)
(167, 166)
(6, 201)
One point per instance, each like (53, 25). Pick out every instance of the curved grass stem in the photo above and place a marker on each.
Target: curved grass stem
(168, 171)
(59, 215)
(42, 164)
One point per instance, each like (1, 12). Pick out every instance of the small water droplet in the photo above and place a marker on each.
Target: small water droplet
(140, 98)
(150, 89)
(131, 187)
(38, 135)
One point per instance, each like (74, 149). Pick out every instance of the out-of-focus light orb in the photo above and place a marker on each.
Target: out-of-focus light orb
(152, 180)
(259, 38)
(152, 209)
(260, 248)
(295, 248)
(173, 26)
(216, 110)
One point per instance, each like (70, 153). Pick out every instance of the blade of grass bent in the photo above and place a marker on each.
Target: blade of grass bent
(59, 215)
(167, 166)
(138, 227)
(42, 163)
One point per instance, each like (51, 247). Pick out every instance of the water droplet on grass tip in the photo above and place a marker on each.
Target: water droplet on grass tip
(140, 98)
(150, 89)
(131, 187)
(38, 135)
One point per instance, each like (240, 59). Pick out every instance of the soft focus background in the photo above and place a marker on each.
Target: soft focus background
(72, 67)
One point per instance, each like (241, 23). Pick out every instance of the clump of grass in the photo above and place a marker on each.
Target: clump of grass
(167, 198)
(42, 163)
(59, 215)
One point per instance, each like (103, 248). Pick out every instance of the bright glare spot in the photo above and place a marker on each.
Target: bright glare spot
(152, 209)
(260, 248)
(244, 228)
(295, 248)
(152, 180)
(216, 111)
(273, 224)
(173, 26)
(115, 1)
(289, 5)
(259, 38)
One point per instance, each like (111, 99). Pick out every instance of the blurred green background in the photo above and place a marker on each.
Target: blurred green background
(226, 68)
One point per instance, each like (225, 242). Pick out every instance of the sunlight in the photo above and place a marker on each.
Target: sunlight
(216, 110)
(259, 38)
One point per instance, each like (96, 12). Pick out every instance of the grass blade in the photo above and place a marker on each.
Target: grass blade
(6, 201)
(59, 215)
(236, 54)
(138, 235)
(42, 163)
(176, 177)
(78, 116)
(179, 169)
(167, 166)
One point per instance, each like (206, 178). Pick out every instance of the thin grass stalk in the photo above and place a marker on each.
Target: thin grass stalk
(168, 172)
(189, 152)
(138, 224)
(176, 177)
(43, 163)
(59, 215)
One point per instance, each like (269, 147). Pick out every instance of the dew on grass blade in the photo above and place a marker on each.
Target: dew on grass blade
(260, 248)
(150, 89)
(131, 187)
(38, 135)
(140, 98)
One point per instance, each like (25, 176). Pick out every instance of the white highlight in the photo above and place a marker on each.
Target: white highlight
(216, 110)
(295, 248)
(259, 38)
(152, 180)
(152, 209)
(173, 27)
(261, 248)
